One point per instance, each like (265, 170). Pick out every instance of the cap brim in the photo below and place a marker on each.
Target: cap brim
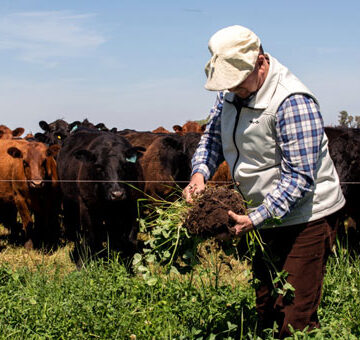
(223, 76)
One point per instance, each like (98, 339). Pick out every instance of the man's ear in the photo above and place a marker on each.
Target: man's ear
(261, 60)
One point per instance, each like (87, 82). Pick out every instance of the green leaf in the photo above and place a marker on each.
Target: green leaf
(288, 286)
(231, 326)
(152, 281)
(174, 270)
(142, 269)
(137, 258)
(151, 258)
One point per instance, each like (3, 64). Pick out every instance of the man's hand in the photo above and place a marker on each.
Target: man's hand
(196, 186)
(243, 223)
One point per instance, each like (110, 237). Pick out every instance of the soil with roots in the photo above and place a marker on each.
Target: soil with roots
(209, 213)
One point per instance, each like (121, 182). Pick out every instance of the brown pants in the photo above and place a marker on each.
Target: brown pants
(302, 251)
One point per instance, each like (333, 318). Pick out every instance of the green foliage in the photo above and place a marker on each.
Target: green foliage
(346, 120)
(161, 301)
(103, 301)
(167, 240)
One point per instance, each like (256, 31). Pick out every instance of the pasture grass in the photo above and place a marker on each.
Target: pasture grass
(43, 296)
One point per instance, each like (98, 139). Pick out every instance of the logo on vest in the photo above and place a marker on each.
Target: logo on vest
(254, 121)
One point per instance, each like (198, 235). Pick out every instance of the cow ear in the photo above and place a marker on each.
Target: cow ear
(74, 125)
(40, 137)
(14, 152)
(113, 130)
(134, 153)
(18, 132)
(44, 125)
(85, 156)
(53, 150)
(177, 128)
(203, 127)
(101, 127)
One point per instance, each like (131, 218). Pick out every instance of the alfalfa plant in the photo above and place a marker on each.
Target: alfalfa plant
(167, 242)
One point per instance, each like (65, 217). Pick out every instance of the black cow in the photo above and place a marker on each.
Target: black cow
(344, 148)
(57, 131)
(54, 133)
(85, 123)
(98, 206)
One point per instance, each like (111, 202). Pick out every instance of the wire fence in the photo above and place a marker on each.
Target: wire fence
(125, 181)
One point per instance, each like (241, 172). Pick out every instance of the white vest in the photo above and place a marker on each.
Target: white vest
(257, 165)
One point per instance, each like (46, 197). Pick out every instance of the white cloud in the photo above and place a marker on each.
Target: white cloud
(46, 37)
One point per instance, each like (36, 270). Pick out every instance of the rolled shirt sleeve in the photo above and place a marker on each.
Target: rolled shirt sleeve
(299, 129)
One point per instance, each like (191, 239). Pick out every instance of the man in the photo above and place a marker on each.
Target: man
(268, 127)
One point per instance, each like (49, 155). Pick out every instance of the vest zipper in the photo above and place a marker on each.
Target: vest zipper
(238, 107)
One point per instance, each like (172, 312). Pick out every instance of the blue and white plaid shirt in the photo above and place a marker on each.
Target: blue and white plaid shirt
(299, 130)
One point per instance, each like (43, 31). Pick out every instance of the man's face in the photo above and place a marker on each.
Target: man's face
(254, 80)
(247, 87)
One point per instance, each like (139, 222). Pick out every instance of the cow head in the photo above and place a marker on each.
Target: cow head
(34, 162)
(6, 133)
(178, 129)
(112, 165)
(54, 133)
(189, 126)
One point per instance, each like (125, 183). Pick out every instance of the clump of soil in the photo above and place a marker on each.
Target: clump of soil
(209, 214)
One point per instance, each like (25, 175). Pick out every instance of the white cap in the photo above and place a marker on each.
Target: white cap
(234, 51)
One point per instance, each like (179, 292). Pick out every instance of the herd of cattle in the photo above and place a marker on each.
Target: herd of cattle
(88, 178)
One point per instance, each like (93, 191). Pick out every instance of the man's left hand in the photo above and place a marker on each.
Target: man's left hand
(243, 223)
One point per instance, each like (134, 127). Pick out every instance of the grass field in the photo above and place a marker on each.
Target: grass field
(43, 296)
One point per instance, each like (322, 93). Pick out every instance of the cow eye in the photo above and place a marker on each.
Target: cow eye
(26, 164)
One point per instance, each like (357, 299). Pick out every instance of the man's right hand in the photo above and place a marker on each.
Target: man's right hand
(195, 187)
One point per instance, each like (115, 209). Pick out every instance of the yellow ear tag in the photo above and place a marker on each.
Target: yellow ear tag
(59, 137)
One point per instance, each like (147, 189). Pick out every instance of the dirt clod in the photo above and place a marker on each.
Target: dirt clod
(209, 214)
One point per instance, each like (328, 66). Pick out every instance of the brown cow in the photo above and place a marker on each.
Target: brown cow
(189, 126)
(166, 161)
(6, 133)
(222, 175)
(24, 167)
(160, 129)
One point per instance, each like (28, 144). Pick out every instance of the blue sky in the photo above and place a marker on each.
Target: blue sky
(140, 64)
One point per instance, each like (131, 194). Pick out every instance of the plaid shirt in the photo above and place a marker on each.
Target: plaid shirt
(299, 130)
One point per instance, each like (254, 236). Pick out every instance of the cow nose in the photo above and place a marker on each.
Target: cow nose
(118, 195)
(36, 183)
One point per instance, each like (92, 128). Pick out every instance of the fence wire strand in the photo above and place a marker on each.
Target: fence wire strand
(121, 181)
